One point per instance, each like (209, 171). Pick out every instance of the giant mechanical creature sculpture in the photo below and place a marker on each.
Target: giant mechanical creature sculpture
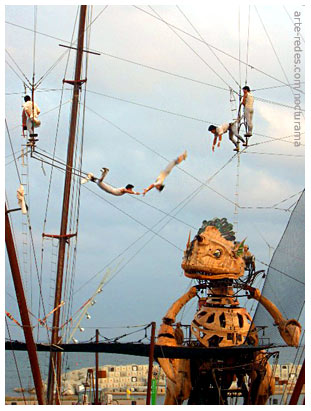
(217, 262)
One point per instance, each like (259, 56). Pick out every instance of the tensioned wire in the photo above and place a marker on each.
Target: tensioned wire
(217, 49)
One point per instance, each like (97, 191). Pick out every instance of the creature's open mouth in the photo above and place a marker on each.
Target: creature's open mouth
(198, 272)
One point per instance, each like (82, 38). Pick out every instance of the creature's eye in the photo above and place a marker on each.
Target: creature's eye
(217, 253)
(199, 238)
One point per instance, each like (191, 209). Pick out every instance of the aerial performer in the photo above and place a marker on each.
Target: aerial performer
(248, 103)
(233, 131)
(107, 187)
(158, 184)
(30, 117)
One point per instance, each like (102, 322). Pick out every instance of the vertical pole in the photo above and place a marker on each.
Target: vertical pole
(23, 309)
(298, 387)
(33, 103)
(96, 370)
(151, 353)
(65, 209)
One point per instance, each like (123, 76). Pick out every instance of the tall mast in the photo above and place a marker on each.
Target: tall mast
(64, 220)
(23, 309)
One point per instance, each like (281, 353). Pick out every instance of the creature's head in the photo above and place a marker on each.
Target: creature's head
(212, 254)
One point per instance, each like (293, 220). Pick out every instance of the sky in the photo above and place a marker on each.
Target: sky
(150, 95)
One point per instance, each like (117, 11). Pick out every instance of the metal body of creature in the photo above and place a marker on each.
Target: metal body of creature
(217, 263)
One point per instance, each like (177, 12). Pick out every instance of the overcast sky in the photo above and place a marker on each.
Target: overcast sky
(136, 142)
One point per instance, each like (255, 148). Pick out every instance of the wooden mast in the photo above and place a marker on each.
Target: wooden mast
(23, 309)
(54, 358)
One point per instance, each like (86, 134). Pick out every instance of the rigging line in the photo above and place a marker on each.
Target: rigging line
(272, 139)
(203, 184)
(134, 219)
(22, 80)
(275, 53)
(216, 48)
(199, 34)
(16, 363)
(188, 45)
(44, 34)
(163, 212)
(163, 71)
(133, 62)
(177, 208)
(276, 103)
(56, 159)
(160, 155)
(19, 69)
(72, 43)
(293, 22)
(150, 107)
(268, 88)
(67, 52)
(16, 166)
(34, 44)
(291, 206)
(150, 239)
(221, 168)
(275, 154)
(247, 47)
(280, 202)
(282, 272)
(43, 90)
(185, 201)
(239, 24)
(23, 154)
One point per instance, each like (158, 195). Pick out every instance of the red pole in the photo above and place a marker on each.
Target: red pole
(298, 387)
(23, 309)
(151, 354)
